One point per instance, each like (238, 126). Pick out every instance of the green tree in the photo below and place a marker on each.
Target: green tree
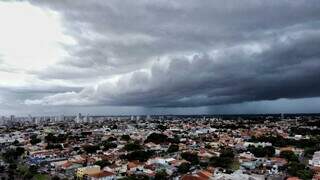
(108, 145)
(162, 127)
(173, 148)
(11, 170)
(55, 178)
(225, 159)
(90, 149)
(157, 138)
(227, 152)
(133, 147)
(300, 170)
(191, 157)
(16, 143)
(102, 163)
(289, 155)
(184, 168)
(33, 170)
(270, 151)
(161, 175)
(35, 141)
(262, 151)
(19, 151)
(141, 156)
(11, 155)
(54, 146)
(110, 139)
(305, 174)
(125, 137)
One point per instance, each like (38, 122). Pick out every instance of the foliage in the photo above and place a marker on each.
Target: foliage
(54, 146)
(141, 156)
(12, 166)
(114, 126)
(225, 159)
(108, 145)
(161, 127)
(110, 139)
(125, 137)
(11, 155)
(11, 170)
(174, 140)
(309, 151)
(305, 131)
(102, 163)
(204, 164)
(23, 171)
(132, 147)
(173, 148)
(55, 178)
(279, 141)
(91, 149)
(2, 168)
(260, 151)
(184, 168)
(224, 162)
(161, 175)
(300, 170)
(20, 151)
(61, 138)
(41, 177)
(289, 155)
(35, 141)
(156, 138)
(191, 157)
(86, 133)
(16, 143)
(33, 169)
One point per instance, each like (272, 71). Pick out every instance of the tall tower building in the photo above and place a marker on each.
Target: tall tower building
(79, 118)
(12, 118)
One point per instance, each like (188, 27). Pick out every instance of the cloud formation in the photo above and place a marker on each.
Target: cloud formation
(283, 66)
(168, 53)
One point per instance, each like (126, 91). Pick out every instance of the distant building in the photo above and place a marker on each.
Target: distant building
(79, 118)
(315, 161)
(89, 170)
(12, 118)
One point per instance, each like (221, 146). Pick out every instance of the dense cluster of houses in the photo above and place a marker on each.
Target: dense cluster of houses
(101, 150)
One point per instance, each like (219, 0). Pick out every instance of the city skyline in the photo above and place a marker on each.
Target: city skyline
(159, 57)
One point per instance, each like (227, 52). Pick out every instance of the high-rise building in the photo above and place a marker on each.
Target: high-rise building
(12, 118)
(3, 120)
(79, 118)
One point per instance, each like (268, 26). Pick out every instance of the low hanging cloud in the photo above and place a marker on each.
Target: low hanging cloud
(282, 66)
(183, 54)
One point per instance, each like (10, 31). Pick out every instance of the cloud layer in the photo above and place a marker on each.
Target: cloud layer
(167, 53)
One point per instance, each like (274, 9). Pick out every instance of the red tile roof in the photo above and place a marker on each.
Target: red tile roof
(102, 174)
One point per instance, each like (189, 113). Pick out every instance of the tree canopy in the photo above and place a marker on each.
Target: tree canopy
(157, 138)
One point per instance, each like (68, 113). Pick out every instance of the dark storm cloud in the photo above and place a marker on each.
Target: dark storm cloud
(190, 53)
(117, 37)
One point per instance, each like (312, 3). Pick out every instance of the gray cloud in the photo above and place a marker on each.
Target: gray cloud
(284, 67)
(186, 54)
(119, 37)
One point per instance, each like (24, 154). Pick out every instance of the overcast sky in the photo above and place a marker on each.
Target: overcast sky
(159, 56)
